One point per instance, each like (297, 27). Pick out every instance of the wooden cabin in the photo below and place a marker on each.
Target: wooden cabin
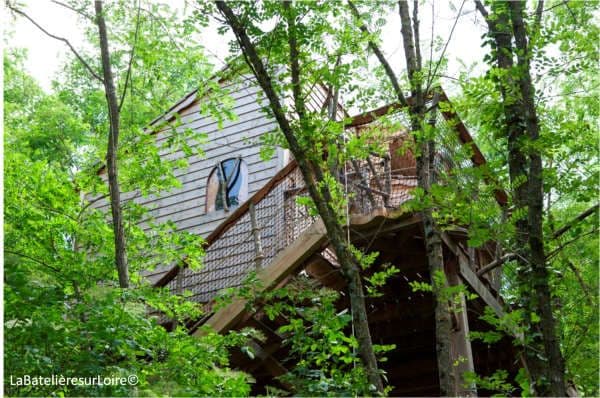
(231, 151)
(247, 211)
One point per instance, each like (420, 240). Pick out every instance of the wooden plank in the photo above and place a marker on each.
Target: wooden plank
(226, 81)
(469, 276)
(238, 139)
(463, 134)
(371, 116)
(202, 168)
(327, 275)
(258, 324)
(180, 106)
(194, 190)
(263, 357)
(374, 222)
(190, 181)
(283, 265)
(197, 162)
(275, 369)
(190, 215)
(192, 201)
(244, 103)
(192, 112)
(244, 123)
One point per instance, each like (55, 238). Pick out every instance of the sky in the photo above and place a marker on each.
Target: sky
(46, 55)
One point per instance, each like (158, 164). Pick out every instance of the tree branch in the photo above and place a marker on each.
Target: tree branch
(562, 246)
(56, 211)
(409, 48)
(537, 23)
(79, 57)
(112, 149)
(254, 62)
(495, 264)
(580, 217)
(386, 65)
(35, 260)
(416, 34)
(91, 202)
(437, 65)
(128, 75)
(431, 41)
(312, 172)
(294, 61)
(482, 10)
(566, 3)
(80, 12)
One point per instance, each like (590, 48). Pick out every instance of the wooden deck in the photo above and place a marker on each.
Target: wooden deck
(401, 316)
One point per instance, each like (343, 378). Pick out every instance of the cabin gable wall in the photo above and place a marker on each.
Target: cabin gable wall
(186, 206)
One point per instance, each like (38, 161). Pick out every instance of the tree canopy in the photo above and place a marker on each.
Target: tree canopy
(74, 300)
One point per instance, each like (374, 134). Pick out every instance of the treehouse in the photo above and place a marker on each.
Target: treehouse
(248, 212)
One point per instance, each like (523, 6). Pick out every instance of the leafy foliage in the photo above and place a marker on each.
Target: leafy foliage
(319, 340)
(64, 314)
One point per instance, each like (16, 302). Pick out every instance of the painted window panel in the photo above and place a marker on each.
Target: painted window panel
(232, 172)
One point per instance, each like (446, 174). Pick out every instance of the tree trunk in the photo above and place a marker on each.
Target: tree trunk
(433, 241)
(556, 367)
(435, 260)
(525, 171)
(311, 172)
(111, 153)
(499, 30)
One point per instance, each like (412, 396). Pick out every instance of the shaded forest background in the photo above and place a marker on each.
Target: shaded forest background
(74, 303)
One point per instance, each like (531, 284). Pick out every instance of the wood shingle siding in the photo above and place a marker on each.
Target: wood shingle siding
(185, 206)
(191, 183)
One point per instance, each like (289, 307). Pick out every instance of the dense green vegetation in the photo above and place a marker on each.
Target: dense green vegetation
(64, 312)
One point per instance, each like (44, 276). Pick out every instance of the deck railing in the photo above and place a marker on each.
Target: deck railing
(257, 231)
(271, 219)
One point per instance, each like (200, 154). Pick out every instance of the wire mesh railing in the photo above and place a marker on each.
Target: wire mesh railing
(231, 256)
(280, 219)
(384, 181)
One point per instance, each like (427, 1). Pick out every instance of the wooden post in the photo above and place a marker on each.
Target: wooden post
(256, 233)
(178, 289)
(360, 175)
(460, 345)
(284, 264)
(372, 190)
(387, 170)
(374, 174)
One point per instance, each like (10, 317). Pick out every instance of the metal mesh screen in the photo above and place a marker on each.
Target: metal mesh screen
(229, 259)
(280, 220)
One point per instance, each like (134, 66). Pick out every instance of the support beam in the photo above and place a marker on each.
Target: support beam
(263, 354)
(469, 276)
(327, 275)
(475, 283)
(263, 357)
(258, 324)
(460, 345)
(364, 183)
